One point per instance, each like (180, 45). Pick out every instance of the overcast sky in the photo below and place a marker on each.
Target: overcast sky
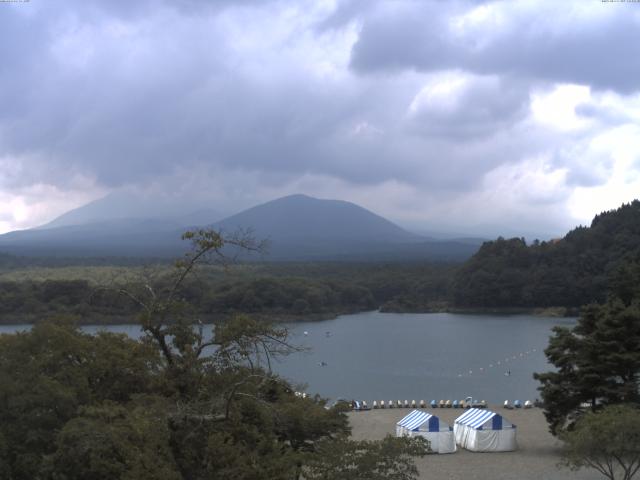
(462, 115)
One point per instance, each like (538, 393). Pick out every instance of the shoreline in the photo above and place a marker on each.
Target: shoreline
(291, 318)
(558, 312)
(113, 320)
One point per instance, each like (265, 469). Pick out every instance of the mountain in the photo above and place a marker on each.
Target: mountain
(299, 218)
(297, 227)
(127, 206)
(124, 223)
(572, 271)
(122, 238)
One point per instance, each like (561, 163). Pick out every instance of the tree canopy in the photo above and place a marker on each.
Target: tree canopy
(570, 272)
(184, 402)
(607, 441)
(597, 361)
(269, 291)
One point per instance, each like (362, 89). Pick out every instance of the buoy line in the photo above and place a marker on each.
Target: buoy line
(500, 363)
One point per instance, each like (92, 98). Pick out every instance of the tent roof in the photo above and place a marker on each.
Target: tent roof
(475, 417)
(414, 420)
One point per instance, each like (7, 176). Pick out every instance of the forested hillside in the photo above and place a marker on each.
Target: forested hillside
(276, 291)
(571, 271)
(506, 273)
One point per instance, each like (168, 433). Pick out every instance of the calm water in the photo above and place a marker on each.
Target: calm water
(385, 356)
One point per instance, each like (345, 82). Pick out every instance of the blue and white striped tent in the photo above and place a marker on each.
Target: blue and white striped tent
(482, 430)
(423, 424)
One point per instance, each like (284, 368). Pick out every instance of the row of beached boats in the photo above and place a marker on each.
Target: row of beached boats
(467, 403)
(517, 404)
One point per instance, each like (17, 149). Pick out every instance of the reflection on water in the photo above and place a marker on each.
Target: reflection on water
(384, 356)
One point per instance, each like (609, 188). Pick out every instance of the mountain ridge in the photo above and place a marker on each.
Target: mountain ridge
(298, 227)
(284, 218)
(129, 205)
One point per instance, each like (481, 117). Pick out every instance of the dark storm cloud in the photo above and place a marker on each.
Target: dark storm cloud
(126, 103)
(411, 36)
(367, 95)
(595, 44)
(21, 54)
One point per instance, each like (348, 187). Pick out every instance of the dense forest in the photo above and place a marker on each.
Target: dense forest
(573, 271)
(278, 292)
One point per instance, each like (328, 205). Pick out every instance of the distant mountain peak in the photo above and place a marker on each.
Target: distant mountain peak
(298, 227)
(298, 216)
(127, 205)
(295, 196)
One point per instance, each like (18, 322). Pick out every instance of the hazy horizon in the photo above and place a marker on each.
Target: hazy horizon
(470, 117)
(153, 208)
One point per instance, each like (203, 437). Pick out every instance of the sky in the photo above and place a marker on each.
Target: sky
(468, 116)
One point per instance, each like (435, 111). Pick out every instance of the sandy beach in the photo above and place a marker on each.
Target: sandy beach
(537, 456)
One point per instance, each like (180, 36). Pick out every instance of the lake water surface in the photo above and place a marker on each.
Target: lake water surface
(384, 356)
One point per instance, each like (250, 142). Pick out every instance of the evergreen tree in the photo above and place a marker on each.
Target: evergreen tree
(597, 361)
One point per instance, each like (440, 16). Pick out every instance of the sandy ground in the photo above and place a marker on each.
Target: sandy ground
(537, 456)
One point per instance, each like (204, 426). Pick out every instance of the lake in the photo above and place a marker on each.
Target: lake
(383, 356)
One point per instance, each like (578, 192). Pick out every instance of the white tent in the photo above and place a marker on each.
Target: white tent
(482, 430)
(423, 424)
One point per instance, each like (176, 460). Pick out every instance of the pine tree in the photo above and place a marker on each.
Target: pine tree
(597, 361)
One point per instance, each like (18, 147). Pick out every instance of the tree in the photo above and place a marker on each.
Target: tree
(607, 441)
(234, 417)
(597, 363)
(115, 441)
(181, 403)
(168, 319)
(48, 374)
(625, 281)
(388, 459)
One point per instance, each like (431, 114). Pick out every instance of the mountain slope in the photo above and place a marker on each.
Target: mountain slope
(301, 218)
(302, 228)
(297, 228)
(119, 206)
(121, 237)
(570, 272)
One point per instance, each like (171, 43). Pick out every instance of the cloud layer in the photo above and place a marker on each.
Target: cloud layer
(465, 115)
